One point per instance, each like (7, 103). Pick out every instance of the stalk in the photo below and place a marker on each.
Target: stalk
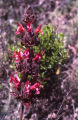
(21, 112)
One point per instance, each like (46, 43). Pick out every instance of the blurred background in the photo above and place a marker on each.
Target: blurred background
(62, 14)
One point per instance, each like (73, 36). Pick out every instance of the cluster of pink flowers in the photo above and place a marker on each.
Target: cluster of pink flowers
(21, 29)
(15, 80)
(28, 87)
(27, 63)
(19, 55)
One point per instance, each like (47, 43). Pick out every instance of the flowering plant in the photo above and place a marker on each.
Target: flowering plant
(26, 81)
(42, 49)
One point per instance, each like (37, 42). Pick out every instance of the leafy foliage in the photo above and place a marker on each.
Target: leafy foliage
(52, 44)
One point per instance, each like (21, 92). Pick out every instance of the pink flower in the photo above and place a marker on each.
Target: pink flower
(37, 86)
(17, 56)
(27, 87)
(29, 27)
(15, 80)
(20, 29)
(26, 53)
(38, 29)
(41, 32)
(38, 56)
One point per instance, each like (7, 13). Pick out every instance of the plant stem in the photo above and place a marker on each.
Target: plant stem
(21, 112)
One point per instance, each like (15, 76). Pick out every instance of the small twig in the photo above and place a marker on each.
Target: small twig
(73, 108)
(21, 112)
(63, 103)
(60, 116)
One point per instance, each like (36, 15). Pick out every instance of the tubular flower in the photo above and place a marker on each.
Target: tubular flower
(37, 86)
(41, 32)
(26, 53)
(38, 56)
(17, 56)
(29, 27)
(20, 29)
(27, 87)
(15, 80)
(38, 29)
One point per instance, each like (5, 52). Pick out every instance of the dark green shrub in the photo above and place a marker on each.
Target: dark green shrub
(55, 52)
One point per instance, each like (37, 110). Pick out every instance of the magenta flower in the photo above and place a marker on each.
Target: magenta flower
(38, 29)
(41, 32)
(20, 29)
(15, 80)
(17, 56)
(37, 86)
(26, 53)
(38, 56)
(27, 87)
(29, 27)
